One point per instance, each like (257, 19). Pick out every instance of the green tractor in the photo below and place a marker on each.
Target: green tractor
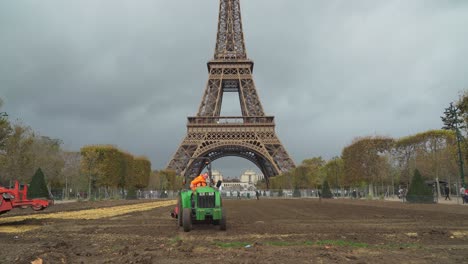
(204, 205)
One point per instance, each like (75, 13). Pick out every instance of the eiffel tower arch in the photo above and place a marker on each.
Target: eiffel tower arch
(250, 136)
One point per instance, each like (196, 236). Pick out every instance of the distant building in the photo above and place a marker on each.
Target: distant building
(251, 177)
(216, 176)
(246, 182)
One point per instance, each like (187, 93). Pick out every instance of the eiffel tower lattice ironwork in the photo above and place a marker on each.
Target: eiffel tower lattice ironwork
(251, 136)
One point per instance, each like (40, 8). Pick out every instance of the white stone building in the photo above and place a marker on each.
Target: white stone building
(246, 182)
(251, 177)
(216, 175)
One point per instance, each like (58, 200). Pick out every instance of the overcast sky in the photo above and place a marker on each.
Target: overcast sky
(128, 73)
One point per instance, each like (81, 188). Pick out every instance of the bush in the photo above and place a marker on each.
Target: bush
(418, 191)
(38, 187)
(326, 193)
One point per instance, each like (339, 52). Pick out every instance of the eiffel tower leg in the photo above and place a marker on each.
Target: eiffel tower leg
(281, 157)
(181, 158)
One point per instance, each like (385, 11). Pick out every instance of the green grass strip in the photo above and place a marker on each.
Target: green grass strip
(337, 243)
(342, 243)
(231, 244)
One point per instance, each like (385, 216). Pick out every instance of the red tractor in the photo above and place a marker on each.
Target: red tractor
(13, 198)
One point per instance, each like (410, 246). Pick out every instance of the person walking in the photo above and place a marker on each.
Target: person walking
(447, 192)
(219, 185)
(462, 194)
(466, 195)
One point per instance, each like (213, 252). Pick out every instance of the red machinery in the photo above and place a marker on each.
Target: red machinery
(13, 198)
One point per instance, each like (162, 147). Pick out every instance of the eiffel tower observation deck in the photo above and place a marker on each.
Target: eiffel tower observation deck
(251, 136)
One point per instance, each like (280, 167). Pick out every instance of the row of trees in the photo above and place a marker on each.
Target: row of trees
(386, 161)
(23, 151)
(379, 161)
(165, 180)
(112, 171)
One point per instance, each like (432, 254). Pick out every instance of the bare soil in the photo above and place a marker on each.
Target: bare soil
(259, 231)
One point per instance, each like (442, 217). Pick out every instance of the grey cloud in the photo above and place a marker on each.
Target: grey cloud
(130, 72)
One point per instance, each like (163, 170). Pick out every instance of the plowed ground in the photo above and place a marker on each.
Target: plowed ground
(264, 231)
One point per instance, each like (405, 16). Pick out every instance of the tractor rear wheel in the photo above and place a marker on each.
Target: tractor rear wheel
(187, 219)
(222, 221)
(180, 214)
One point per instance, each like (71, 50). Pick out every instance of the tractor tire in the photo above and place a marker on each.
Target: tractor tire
(187, 219)
(222, 221)
(179, 217)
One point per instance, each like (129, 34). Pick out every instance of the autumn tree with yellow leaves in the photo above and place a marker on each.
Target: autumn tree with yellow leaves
(113, 171)
(365, 160)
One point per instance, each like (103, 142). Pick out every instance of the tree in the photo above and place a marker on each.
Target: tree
(22, 151)
(309, 174)
(453, 121)
(334, 170)
(46, 154)
(90, 157)
(111, 169)
(127, 175)
(296, 193)
(462, 105)
(74, 182)
(142, 171)
(38, 187)
(300, 177)
(153, 183)
(364, 159)
(326, 193)
(405, 153)
(170, 180)
(5, 129)
(429, 151)
(314, 171)
(17, 161)
(418, 191)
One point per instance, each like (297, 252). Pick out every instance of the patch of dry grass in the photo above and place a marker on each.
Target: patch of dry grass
(89, 214)
(17, 228)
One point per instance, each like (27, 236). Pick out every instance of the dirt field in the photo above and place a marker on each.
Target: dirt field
(264, 231)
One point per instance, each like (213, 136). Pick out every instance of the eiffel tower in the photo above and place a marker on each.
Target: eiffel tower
(251, 136)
